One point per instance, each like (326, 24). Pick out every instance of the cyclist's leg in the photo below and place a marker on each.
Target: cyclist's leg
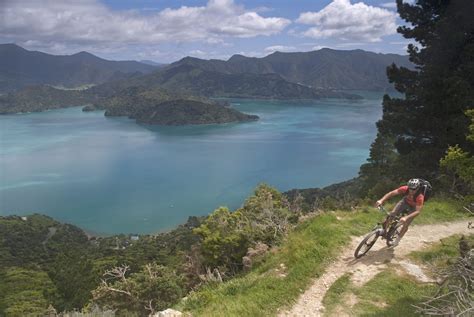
(407, 223)
(399, 208)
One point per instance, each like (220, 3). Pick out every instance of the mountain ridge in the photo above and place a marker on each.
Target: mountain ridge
(20, 67)
(325, 68)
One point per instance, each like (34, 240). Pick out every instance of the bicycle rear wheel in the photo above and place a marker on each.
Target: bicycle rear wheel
(367, 243)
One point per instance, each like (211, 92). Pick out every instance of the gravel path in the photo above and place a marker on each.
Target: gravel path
(365, 268)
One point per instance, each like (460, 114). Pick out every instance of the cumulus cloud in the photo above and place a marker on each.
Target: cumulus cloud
(279, 48)
(90, 22)
(198, 53)
(349, 22)
(318, 47)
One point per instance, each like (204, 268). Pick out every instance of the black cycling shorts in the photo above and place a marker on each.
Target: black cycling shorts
(402, 208)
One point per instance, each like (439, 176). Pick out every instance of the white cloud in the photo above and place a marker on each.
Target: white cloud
(350, 44)
(349, 22)
(90, 22)
(197, 53)
(252, 53)
(318, 47)
(280, 48)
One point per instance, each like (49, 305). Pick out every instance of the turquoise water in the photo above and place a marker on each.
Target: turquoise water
(111, 175)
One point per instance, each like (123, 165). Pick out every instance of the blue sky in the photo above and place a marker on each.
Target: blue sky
(165, 31)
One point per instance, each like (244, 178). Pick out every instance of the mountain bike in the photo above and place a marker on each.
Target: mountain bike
(391, 232)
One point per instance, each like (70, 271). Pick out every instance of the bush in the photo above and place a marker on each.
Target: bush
(152, 289)
(226, 236)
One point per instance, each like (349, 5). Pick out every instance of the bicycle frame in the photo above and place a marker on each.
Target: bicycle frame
(386, 230)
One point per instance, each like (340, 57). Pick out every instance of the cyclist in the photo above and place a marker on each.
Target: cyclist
(411, 204)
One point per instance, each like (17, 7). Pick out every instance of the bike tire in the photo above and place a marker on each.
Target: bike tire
(366, 243)
(393, 233)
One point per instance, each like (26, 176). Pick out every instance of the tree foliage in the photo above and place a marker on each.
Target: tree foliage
(226, 236)
(458, 163)
(431, 115)
(61, 266)
(25, 292)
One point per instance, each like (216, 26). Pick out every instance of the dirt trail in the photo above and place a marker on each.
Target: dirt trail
(365, 268)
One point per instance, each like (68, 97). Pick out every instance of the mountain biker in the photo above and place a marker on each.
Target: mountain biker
(411, 204)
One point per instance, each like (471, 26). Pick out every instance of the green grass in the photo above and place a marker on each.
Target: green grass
(441, 254)
(305, 253)
(335, 294)
(436, 211)
(388, 294)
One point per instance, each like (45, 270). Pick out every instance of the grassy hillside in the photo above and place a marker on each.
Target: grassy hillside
(389, 293)
(305, 253)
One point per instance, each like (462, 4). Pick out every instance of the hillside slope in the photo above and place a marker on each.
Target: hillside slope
(20, 67)
(366, 268)
(321, 247)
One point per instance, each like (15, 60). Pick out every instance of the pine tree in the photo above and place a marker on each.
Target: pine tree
(437, 93)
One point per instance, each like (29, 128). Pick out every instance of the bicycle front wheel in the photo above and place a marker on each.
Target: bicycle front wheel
(367, 243)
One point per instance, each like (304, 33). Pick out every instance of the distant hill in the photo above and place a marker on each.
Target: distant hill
(20, 67)
(145, 105)
(324, 69)
(41, 97)
(163, 107)
(197, 80)
(182, 112)
(152, 63)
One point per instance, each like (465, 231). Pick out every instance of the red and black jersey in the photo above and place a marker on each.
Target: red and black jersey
(410, 199)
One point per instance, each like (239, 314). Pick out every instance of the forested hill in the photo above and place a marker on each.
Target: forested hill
(44, 262)
(324, 69)
(211, 83)
(20, 67)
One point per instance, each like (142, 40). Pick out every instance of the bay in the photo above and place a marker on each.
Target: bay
(111, 175)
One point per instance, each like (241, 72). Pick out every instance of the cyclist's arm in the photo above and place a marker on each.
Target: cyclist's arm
(387, 196)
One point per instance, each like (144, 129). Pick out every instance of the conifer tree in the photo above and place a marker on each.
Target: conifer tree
(436, 93)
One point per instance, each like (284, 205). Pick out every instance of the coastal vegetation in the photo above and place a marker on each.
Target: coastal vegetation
(209, 258)
(145, 105)
(40, 98)
(165, 107)
(256, 259)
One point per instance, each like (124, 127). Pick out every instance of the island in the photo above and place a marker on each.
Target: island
(145, 105)
(183, 112)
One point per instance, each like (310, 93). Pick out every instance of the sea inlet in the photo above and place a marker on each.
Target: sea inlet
(111, 175)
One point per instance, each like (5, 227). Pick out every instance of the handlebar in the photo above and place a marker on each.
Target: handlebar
(381, 209)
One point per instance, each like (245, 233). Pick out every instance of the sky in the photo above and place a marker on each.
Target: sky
(165, 31)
